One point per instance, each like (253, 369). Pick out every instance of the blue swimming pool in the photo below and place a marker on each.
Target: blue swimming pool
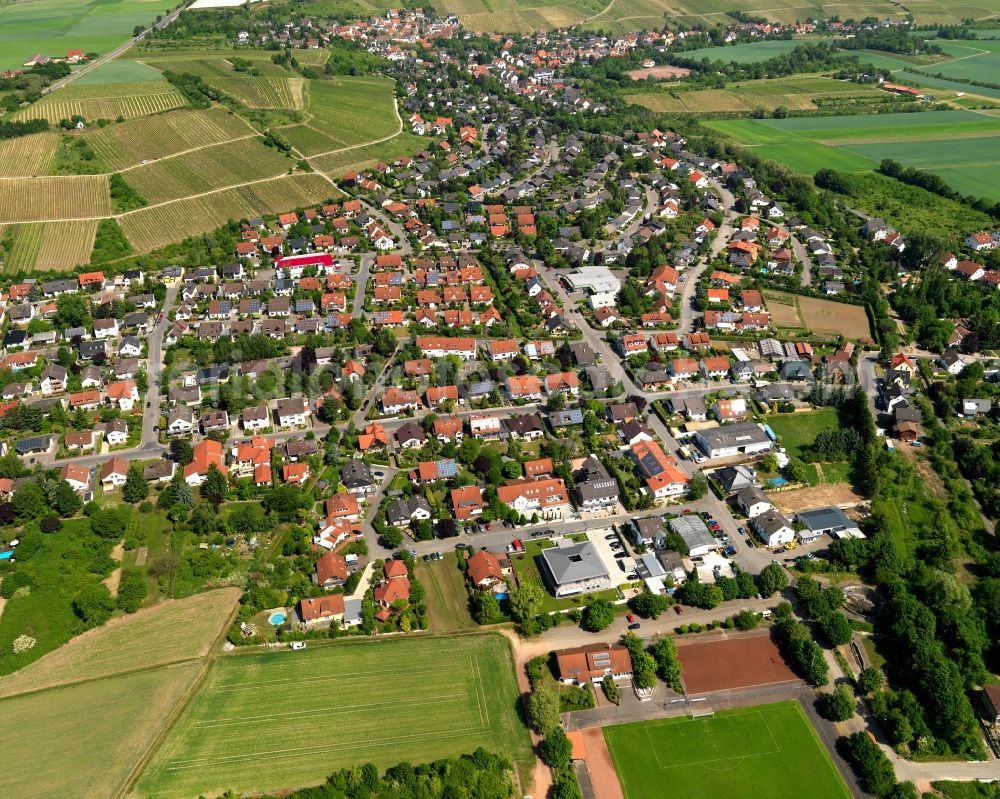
(501, 596)
(7, 555)
(277, 618)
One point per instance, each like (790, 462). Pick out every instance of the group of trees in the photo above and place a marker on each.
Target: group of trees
(803, 654)
(874, 770)
(542, 708)
(823, 606)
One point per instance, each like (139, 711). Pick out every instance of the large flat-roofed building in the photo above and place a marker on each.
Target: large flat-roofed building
(595, 279)
(826, 521)
(574, 569)
(730, 440)
(695, 534)
(593, 662)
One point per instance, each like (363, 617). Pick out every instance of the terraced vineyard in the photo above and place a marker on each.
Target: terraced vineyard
(66, 245)
(336, 164)
(33, 199)
(263, 92)
(28, 155)
(105, 101)
(24, 242)
(149, 228)
(130, 143)
(207, 169)
(212, 63)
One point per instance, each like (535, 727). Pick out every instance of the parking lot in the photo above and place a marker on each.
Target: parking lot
(598, 538)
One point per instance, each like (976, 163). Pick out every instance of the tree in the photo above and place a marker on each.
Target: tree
(598, 616)
(874, 770)
(543, 709)
(525, 602)
(869, 681)
(71, 311)
(649, 605)
(668, 666)
(215, 488)
(697, 486)
(555, 749)
(203, 519)
(50, 523)
(65, 500)
(836, 628)
(769, 463)
(136, 488)
(28, 501)
(486, 608)
(392, 537)
(839, 705)
(181, 452)
(746, 619)
(611, 691)
(131, 590)
(110, 522)
(94, 604)
(771, 580)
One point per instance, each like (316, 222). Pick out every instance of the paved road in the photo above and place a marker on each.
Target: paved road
(361, 286)
(688, 313)
(104, 59)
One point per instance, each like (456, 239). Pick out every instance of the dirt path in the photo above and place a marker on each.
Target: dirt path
(112, 580)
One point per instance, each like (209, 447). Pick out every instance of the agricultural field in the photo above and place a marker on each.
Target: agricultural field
(128, 144)
(207, 169)
(946, 89)
(858, 143)
(520, 16)
(44, 198)
(265, 721)
(795, 93)
(170, 632)
(118, 71)
(336, 164)
(979, 60)
(105, 101)
(751, 53)
(821, 317)
(28, 155)
(53, 27)
(150, 228)
(110, 722)
(344, 112)
(767, 750)
(65, 245)
(211, 63)
(797, 431)
(263, 92)
(22, 243)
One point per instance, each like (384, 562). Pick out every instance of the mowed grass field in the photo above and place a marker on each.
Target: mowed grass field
(76, 723)
(153, 227)
(105, 101)
(275, 720)
(53, 27)
(798, 430)
(765, 752)
(858, 143)
(170, 632)
(81, 742)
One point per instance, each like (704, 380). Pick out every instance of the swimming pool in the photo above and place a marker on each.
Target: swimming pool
(277, 618)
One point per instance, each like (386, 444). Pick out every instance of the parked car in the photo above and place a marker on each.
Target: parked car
(630, 618)
(632, 575)
(297, 644)
(634, 626)
(538, 534)
(461, 546)
(620, 555)
(741, 530)
(678, 610)
(611, 537)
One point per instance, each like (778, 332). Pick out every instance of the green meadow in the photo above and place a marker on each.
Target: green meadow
(53, 27)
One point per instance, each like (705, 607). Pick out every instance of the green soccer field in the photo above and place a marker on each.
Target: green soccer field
(765, 752)
(276, 720)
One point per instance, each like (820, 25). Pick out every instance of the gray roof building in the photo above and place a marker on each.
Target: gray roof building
(595, 488)
(574, 569)
(827, 521)
(733, 439)
(695, 534)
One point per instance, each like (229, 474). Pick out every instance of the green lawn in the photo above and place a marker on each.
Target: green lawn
(268, 721)
(797, 431)
(766, 752)
(748, 53)
(119, 71)
(53, 27)
(447, 599)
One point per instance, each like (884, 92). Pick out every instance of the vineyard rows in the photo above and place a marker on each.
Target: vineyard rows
(66, 245)
(55, 107)
(130, 143)
(207, 169)
(26, 240)
(32, 199)
(263, 92)
(150, 228)
(28, 155)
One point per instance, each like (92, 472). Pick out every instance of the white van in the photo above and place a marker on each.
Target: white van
(297, 644)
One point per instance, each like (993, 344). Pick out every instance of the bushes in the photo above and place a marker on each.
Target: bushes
(648, 605)
(875, 772)
(839, 705)
(123, 196)
(610, 688)
(598, 615)
(668, 667)
(131, 590)
(802, 652)
(555, 749)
